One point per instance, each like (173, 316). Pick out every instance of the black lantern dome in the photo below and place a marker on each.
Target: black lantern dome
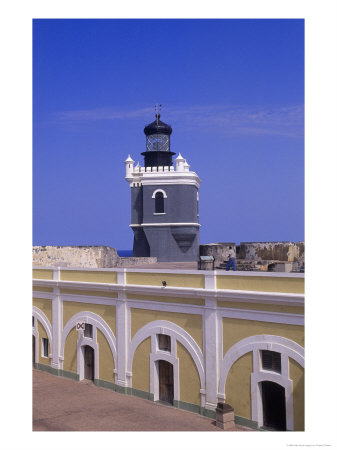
(158, 144)
(158, 127)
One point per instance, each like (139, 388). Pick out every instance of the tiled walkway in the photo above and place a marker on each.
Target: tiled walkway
(60, 404)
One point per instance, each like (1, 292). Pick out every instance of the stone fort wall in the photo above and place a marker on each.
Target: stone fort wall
(84, 256)
(258, 255)
(261, 256)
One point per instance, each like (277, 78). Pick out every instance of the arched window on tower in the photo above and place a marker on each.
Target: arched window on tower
(159, 202)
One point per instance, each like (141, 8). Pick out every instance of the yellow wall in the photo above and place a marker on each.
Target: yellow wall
(88, 293)
(237, 387)
(42, 334)
(107, 312)
(89, 276)
(45, 305)
(172, 279)
(236, 329)
(42, 289)
(192, 323)
(261, 307)
(41, 274)
(188, 377)
(263, 284)
(106, 362)
(187, 301)
(296, 373)
(141, 366)
(70, 352)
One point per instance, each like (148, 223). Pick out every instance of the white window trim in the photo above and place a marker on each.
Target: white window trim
(159, 190)
(287, 348)
(42, 348)
(159, 214)
(92, 332)
(157, 349)
(256, 395)
(81, 343)
(154, 373)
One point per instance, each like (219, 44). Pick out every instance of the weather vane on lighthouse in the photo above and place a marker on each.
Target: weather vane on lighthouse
(157, 109)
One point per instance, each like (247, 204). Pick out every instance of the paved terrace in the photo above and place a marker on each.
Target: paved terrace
(61, 404)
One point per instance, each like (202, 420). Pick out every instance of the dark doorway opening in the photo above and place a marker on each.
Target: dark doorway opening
(33, 350)
(166, 391)
(274, 406)
(89, 365)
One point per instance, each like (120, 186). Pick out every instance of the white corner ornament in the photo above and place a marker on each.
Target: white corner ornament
(129, 162)
(180, 162)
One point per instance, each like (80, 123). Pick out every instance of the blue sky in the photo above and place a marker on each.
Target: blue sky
(233, 92)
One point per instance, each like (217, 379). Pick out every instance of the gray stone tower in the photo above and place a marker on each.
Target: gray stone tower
(164, 200)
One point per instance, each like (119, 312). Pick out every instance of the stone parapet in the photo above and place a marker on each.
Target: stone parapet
(131, 261)
(277, 251)
(258, 256)
(220, 251)
(84, 256)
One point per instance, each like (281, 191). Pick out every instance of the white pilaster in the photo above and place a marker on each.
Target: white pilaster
(211, 347)
(122, 333)
(57, 323)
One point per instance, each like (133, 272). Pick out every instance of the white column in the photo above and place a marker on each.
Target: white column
(211, 345)
(122, 332)
(57, 324)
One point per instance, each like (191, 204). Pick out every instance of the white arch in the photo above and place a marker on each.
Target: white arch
(279, 344)
(159, 190)
(43, 319)
(287, 348)
(176, 333)
(95, 320)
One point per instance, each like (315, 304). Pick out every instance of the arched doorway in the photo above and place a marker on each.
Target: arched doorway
(89, 364)
(33, 351)
(274, 406)
(166, 385)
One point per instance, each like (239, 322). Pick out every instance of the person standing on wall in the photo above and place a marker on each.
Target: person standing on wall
(231, 260)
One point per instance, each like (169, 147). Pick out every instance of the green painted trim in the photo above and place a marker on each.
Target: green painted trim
(121, 389)
(57, 372)
(208, 413)
(141, 394)
(67, 374)
(246, 422)
(45, 368)
(186, 406)
(108, 385)
(104, 384)
(196, 409)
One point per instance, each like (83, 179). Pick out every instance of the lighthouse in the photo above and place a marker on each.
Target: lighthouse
(164, 200)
